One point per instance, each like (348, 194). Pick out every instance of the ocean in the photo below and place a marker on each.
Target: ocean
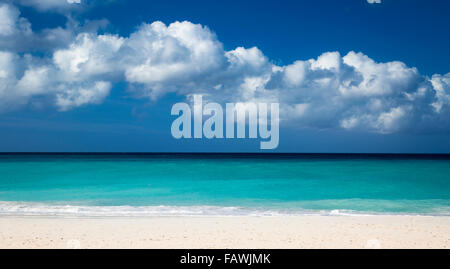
(223, 184)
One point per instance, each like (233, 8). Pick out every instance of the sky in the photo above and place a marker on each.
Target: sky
(370, 76)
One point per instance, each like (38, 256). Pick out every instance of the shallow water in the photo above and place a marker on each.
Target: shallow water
(223, 184)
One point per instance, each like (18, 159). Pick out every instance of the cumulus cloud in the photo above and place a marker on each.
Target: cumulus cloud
(168, 58)
(78, 95)
(374, 1)
(46, 5)
(89, 55)
(10, 23)
(355, 92)
(332, 91)
(17, 35)
(24, 76)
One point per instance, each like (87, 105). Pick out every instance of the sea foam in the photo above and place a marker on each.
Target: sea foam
(43, 209)
(65, 210)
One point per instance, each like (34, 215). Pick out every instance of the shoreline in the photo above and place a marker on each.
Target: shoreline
(66, 209)
(375, 231)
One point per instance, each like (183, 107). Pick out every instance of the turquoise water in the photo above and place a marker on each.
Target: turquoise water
(222, 185)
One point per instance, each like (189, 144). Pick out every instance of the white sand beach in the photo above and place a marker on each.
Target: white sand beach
(226, 232)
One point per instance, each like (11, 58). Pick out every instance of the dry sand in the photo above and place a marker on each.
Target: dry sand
(226, 232)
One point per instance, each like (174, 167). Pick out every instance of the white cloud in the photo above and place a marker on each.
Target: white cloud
(7, 74)
(17, 35)
(441, 85)
(10, 22)
(355, 92)
(24, 77)
(72, 97)
(166, 58)
(87, 56)
(331, 91)
(374, 1)
(46, 5)
(35, 81)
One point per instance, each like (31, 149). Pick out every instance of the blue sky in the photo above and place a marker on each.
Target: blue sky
(350, 76)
